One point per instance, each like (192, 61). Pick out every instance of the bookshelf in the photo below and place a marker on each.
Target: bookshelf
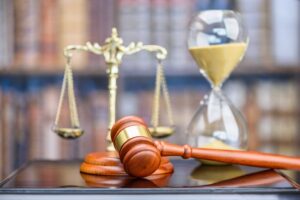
(191, 70)
(33, 32)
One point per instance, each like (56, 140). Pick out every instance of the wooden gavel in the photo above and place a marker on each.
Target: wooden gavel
(141, 155)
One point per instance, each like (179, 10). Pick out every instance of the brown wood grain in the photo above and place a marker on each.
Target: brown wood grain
(249, 158)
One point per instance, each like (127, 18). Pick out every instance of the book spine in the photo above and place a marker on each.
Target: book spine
(102, 20)
(6, 33)
(98, 103)
(286, 51)
(48, 38)
(86, 142)
(180, 14)
(142, 33)
(51, 142)
(8, 129)
(27, 33)
(21, 130)
(134, 26)
(255, 17)
(73, 30)
(160, 26)
(126, 18)
(96, 27)
(2, 139)
(34, 118)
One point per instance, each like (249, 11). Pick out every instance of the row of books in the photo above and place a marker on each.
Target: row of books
(270, 107)
(27, 120)
(27, 117)
(34, 32)
(269, 24)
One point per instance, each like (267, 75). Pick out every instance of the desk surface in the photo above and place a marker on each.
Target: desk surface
(42, 178)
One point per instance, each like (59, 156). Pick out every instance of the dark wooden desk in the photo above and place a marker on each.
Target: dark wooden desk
(62, 179)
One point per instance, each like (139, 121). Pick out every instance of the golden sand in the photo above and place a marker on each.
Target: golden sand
(218, 61)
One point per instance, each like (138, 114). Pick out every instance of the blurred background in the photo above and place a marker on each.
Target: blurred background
(33, 33)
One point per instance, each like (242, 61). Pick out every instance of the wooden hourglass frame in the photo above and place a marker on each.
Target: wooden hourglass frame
(113, 51)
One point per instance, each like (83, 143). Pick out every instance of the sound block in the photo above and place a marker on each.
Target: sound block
(109, 164)
(152, 181)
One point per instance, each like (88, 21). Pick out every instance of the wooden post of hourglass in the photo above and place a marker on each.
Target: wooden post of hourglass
(107, 163)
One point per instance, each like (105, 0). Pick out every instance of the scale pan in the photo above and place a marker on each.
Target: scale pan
(69, 133)
(161, 131)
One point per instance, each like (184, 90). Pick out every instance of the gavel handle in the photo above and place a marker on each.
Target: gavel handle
(248, 158)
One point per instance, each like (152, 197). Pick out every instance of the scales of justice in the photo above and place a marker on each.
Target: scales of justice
(107, 163)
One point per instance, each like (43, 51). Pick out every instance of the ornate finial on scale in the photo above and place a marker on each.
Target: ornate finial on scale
(113, 52)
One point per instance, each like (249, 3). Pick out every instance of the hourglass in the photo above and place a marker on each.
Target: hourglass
(217, 41)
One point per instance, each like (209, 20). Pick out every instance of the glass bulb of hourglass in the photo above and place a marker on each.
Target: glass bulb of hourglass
(217, 41)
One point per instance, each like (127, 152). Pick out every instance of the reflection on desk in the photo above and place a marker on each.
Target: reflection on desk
(153, 181)
(234, 176)
(187, 174)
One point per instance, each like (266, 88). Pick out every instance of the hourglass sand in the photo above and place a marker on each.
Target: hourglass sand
(217, 41)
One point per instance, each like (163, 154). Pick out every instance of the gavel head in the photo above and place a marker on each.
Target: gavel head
(133, 141)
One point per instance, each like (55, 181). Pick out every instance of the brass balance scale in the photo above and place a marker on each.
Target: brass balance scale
(113, 52)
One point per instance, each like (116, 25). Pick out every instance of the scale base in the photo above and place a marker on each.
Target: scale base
(109, 164)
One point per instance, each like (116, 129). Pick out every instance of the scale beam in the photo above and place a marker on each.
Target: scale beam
(113, 51)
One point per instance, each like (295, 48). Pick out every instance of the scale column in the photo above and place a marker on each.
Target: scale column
(113, 73)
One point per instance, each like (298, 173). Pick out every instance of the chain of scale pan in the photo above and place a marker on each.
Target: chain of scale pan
(68, 80)
(160, 83)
